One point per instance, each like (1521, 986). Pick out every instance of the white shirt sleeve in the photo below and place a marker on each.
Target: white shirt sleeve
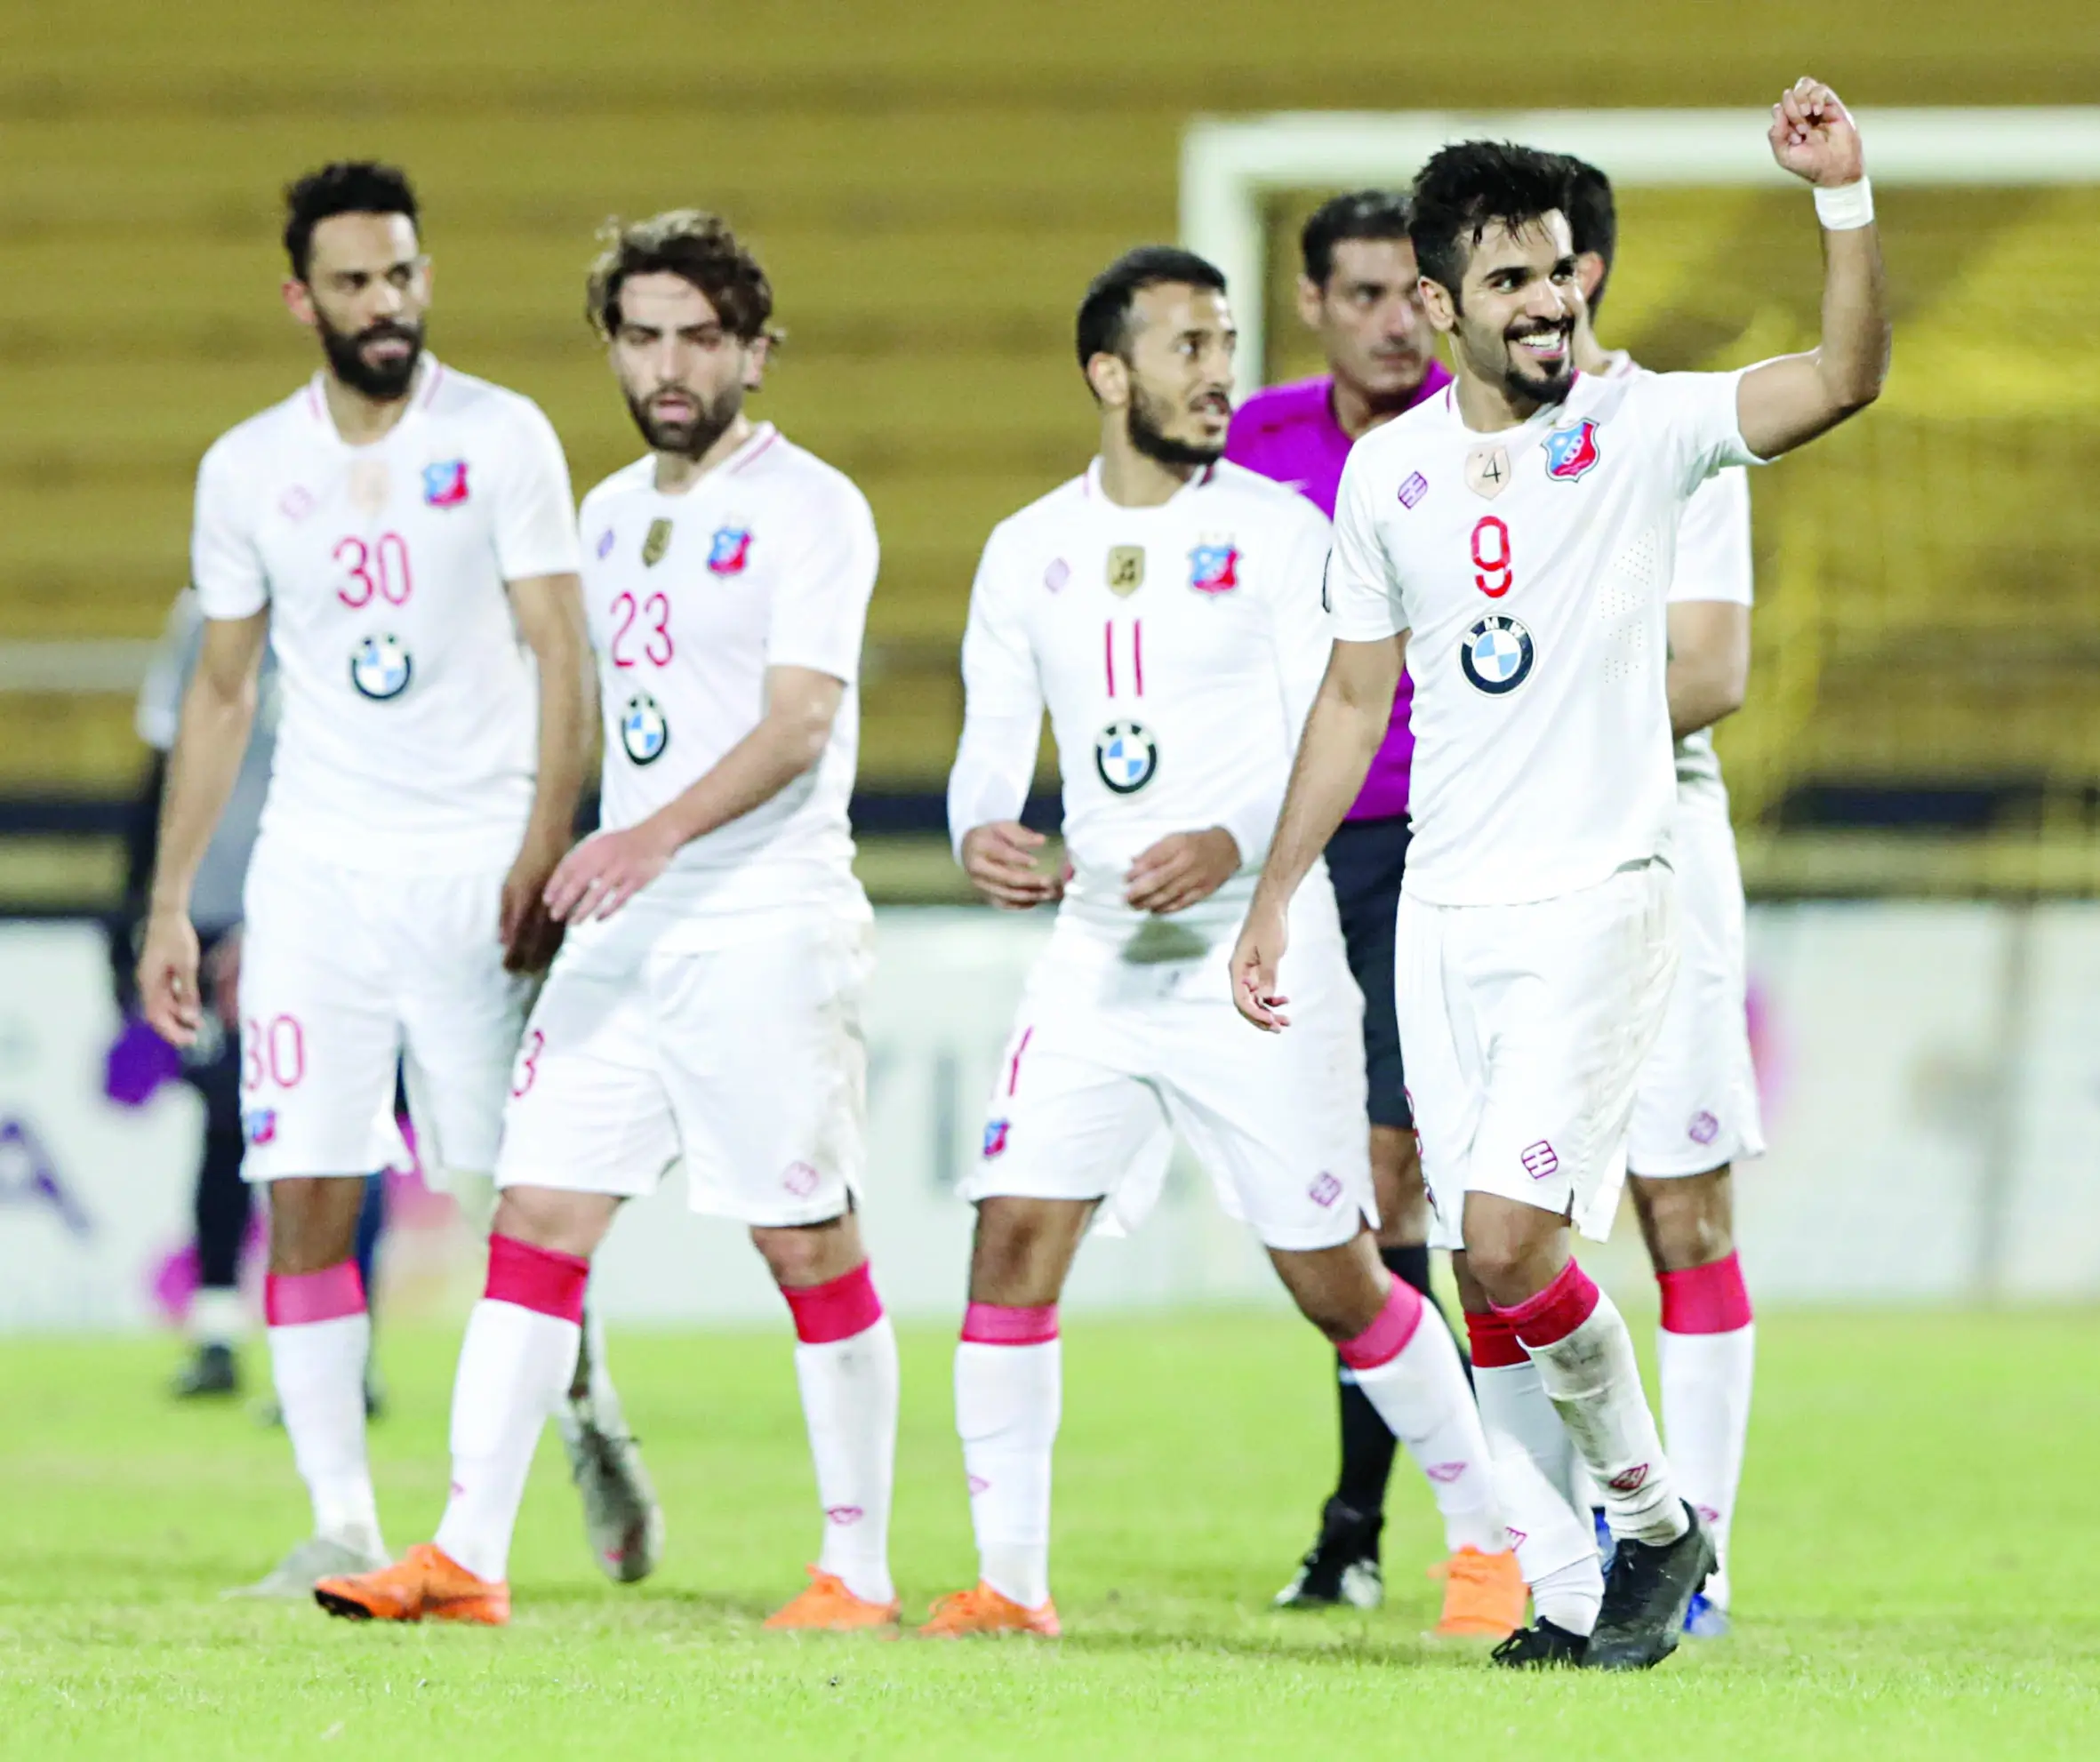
(1713, 557)
(535, 510)
(1002, 708)
(225, 566)
(820, 593)
(1360, 594)
(1697, 424)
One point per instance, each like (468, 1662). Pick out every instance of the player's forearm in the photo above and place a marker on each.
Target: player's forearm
(1342, 737)
(781, 749)
(1852, 359)
(1700, 697)
(565, 742)
(201, 771)
(995, 762)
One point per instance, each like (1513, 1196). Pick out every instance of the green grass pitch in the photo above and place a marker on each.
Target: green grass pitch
(1918, 1571)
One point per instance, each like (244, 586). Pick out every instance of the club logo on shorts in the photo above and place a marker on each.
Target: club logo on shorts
(1125, 756)
(445, 485)
(1704, 1127)
(1540, 1160)
(1572, 451)
(729, 551)
(645, 736)
(1324, 1191)
(1215, 568)
(655, 541)
(995, 1137)
(381, 668)
(259, 1125)
(1496, 654)
(800, 1180)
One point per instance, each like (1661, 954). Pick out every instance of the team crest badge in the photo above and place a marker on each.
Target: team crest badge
(1125, 756)
(1496, 655)
(1215, 568)
(1127, 569)
(1487, 470)
(729, 550)
(1572, 451)
(995, 1137)
(259, 1125)
(655, 542)
(381, 668)
(645, 736)
(444, 486)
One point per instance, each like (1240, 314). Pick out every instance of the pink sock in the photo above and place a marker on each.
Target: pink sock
(1409, 1369)
(320, 1336)
(1578, 1339)
(1008, 1399)
(515, 1365)
(845, 1364)
(1705, 1354)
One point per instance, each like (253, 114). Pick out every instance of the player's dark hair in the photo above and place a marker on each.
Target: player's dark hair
(346, 186)
(1468, 187)
(1360, 214)
(1592, 220)
(694, 245)
(1105, 314)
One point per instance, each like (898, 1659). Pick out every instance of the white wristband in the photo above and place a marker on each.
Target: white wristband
(1847, 207)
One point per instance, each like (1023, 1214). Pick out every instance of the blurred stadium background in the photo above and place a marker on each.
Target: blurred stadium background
(1916, 778)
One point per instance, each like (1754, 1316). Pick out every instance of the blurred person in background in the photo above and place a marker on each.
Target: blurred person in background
(401, 538)
(217, 1314)
(1359, 292)
(1164, 607)
(1696, 1113)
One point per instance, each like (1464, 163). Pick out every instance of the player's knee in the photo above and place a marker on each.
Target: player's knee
(313, 1222)
(563, 1223)
(1688, 1222)
(815, 1254)
(1020, 1252)
(1513, 1252)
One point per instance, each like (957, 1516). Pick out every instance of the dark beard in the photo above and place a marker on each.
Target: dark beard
(1540, 392)
(692, 439)
(1148, 437)
(387, 384)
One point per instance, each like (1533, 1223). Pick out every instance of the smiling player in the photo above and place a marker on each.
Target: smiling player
(1512, 542)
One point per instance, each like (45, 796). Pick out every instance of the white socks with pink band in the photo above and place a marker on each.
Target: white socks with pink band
(1009, 1394)
(320, 1335)
(1706, 1354)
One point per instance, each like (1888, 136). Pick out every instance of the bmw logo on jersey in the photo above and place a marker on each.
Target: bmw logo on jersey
(643, 734)
(1496, 654)
(1125, 756)
(381, 668)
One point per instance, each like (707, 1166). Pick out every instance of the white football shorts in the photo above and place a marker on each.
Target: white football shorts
(746, 1063)
(1110, 1057)
(1525, 1028)
(1698, 1105)
(343, 973)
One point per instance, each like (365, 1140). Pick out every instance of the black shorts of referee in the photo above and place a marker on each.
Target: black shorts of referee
(1366, 858)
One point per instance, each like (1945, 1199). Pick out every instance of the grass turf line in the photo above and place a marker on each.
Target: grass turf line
(1916, 1558)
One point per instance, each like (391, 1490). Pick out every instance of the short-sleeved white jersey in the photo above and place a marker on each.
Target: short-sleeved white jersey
(408, 733)
(769, 560)
(1528, 566)
(1178, 649)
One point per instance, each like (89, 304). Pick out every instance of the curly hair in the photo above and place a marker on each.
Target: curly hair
(691, 244)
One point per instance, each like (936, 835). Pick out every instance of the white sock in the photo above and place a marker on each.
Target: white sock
(515, 1365)
(1578, 1339)
(1533, 1459)
(1705, 1383)
(1008, 1400)
(318, 1368)
(849, 1399)
(218, 1316)
(1422, 1396)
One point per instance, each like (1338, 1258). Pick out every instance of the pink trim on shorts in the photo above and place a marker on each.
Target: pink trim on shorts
(539, 1279)
(837, 1310)
(996, 1325)
(296, 1298)
(1711, 1298)
(1494, 1341)
(1557, 1311)
(1387, 1337)
(1014, 1064)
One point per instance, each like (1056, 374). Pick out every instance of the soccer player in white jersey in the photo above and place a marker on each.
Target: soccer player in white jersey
(401, 535)
(1511, 542)
(1164, 606)
(1695, 1112)
(705, 1008)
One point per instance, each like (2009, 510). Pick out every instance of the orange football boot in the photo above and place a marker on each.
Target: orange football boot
(987, 1611)
(825, 1605)
(425, 1584)
(1483, 1593)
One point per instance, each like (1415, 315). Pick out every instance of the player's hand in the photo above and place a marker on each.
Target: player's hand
(605, 871)
(1000, 858)
(1812, 136)
(222, 979)
(529, 932)
(1180, 870)
(1255, 957)
(168, 994)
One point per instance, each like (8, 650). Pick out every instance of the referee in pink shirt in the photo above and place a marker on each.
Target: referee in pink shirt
(1358, 292)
